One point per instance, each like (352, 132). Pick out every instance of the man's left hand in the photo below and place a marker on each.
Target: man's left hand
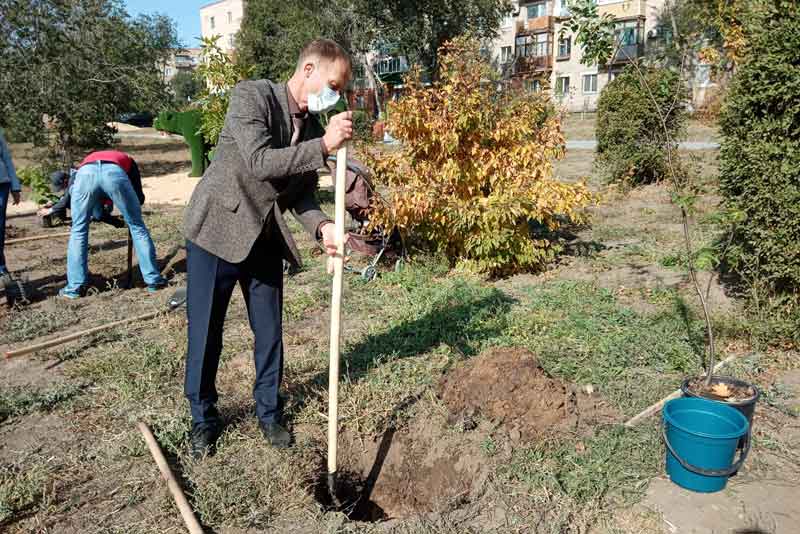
(15, 197)
(44, 212)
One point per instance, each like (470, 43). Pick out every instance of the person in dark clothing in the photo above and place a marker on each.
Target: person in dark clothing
(108, 174)
(265, 164)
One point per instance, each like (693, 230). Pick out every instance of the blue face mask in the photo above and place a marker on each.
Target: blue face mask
(323, 101)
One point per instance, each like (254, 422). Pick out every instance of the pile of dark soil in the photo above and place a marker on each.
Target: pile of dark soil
(509, 387)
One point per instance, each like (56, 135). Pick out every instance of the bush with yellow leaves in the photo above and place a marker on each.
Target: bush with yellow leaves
(474, 176)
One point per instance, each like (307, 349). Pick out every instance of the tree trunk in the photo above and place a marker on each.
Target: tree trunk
(373, 83)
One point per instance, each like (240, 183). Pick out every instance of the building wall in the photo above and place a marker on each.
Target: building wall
(186, 59)
(223, 18)
(576, 97)
(579, 98)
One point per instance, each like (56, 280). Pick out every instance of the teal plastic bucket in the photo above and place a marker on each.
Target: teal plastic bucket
(701, 438)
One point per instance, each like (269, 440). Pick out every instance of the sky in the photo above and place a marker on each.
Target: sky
(185, 13)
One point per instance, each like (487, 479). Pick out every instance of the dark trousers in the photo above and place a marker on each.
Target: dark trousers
(210, 284)
(5, 190)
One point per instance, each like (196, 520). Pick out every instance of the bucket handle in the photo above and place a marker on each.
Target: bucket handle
(710, 472)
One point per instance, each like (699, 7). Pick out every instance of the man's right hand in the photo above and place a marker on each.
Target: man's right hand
(339, 131)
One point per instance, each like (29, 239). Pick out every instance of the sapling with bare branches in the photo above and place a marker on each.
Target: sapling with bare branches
(596, 33)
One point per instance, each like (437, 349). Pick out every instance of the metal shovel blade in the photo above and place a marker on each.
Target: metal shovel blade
(178, 298)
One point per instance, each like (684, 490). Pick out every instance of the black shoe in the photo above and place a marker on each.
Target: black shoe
(6, 279)
(204, 437)
(276, 435)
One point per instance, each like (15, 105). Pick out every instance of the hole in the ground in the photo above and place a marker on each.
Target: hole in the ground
(353, 495)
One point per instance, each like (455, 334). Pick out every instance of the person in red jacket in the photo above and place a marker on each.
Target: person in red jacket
(115, 175)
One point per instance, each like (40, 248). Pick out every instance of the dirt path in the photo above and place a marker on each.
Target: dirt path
(763, 497)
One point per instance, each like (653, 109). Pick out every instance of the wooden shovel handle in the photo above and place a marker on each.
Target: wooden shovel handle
(192, 524)
(336, 310)
(77, 335)
(36, 238)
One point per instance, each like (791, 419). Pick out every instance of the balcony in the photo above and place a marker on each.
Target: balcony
(628, 52)
(533, 25)
(535, 62)
(184, 62)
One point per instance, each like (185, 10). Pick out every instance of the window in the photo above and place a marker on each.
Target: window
(627, 32)
(168, 71)
(628, 36)
(589, 83)
(230, 17)
(231, 40)
(533, 86)
(533, 46)
(562, 85)
(564, 47)
(539, 9)
(211, 22)
(505, 54)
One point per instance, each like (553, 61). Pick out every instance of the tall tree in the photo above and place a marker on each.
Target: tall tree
(419, 29)
(186, 87)
(70, 66)
(273, 31)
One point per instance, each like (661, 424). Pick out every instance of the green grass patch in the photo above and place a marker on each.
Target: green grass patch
(32, 323)
(614, 465)
(19, 400)
(21, 488)
(133, 370)
(401, 333)
(581, 333)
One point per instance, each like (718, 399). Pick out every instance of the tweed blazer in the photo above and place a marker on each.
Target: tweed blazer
(256, 176)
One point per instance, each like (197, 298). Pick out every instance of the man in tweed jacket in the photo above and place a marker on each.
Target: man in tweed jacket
(265, 164)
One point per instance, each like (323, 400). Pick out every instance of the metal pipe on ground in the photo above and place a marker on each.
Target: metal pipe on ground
(22, 214)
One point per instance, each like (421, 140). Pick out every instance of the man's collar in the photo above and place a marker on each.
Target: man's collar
(294, 108)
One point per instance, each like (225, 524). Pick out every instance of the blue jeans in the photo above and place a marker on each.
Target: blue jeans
(94, 182)
(5, 189)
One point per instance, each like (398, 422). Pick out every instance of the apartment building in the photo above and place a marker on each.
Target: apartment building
(223, 18)
(185, 59)
(531, 50)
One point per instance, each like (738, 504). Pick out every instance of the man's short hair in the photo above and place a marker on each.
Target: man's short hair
(326, 49)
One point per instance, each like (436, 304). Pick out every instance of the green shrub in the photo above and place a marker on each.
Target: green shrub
(38, 180)
(218, 73)
(760, 160)
(631, 142)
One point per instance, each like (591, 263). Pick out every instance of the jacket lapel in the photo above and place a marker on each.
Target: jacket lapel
(281, 92)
